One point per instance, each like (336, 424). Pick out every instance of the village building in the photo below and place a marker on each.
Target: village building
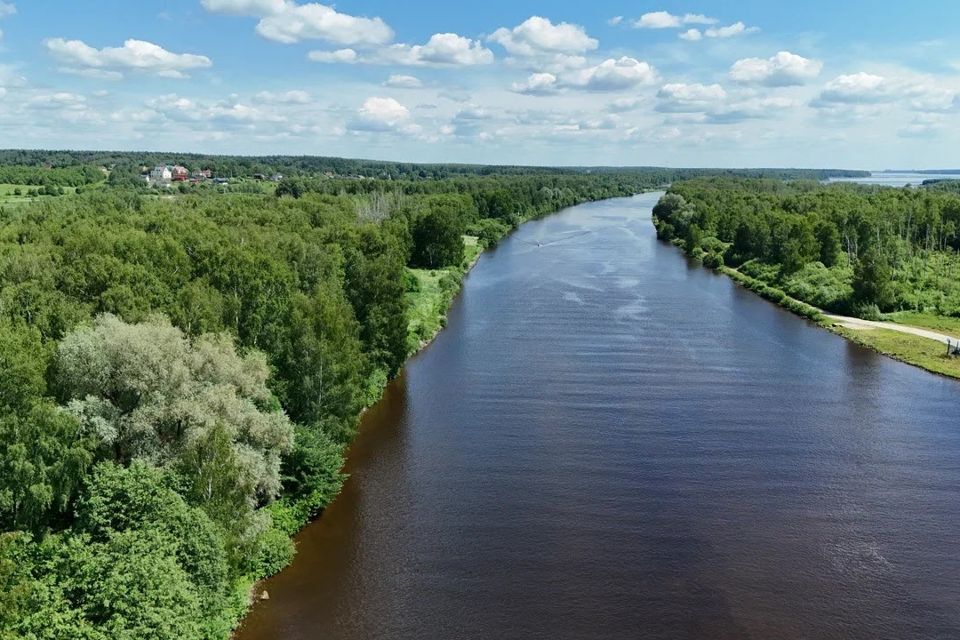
(161, 175)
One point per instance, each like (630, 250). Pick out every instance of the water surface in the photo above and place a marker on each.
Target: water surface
(609, 441)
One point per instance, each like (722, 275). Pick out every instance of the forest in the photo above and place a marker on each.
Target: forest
(850, 249)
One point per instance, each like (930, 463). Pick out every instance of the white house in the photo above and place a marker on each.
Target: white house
(161, 175)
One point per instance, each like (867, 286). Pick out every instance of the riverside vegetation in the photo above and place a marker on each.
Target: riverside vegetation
(877, 253)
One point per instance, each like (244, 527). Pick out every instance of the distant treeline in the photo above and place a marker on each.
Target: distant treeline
(245, 166)
(846, 248)
(75, 175)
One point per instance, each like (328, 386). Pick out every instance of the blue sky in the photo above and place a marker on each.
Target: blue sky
(854, 84)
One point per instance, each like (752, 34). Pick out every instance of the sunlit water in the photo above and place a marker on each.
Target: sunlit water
(609, 441)
(898, 179)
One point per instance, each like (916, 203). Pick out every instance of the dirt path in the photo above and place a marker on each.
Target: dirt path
(857, 323)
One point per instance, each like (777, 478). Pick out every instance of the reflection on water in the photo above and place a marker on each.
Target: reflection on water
(611, 442)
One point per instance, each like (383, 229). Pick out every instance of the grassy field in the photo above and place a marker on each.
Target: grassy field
(922, 352)
(431, 293)
(941, 324)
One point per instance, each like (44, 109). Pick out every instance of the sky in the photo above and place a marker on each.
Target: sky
(857, 84)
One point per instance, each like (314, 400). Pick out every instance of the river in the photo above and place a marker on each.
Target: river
(609, 441)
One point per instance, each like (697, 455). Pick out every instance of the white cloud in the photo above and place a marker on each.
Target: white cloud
(690, 98)
(730, 31)
(443, 49)
(657, 20)
(397, 81)
(666, 20)
(135, 55)
(319, 22)
(538, 36)
(615, 21)
(691, 35)
(382, 115)
(538, 84)
(287, 97)
(287, 22)
(698, 18)
(781, 70)
(340, 56)
(614, 75)
(7, 9)
(857, 88)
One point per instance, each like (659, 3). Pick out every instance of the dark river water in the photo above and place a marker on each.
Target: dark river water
(609, 441)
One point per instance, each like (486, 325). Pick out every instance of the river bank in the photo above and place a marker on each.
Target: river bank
(913, 345)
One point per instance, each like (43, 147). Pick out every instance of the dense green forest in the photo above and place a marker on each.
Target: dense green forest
(849, 249)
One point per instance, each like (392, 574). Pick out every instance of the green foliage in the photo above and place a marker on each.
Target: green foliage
(846, 248)
(438, 240)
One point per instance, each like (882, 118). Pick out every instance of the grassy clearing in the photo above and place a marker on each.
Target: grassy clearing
(942, 324)
(430, 293)
(921, 352)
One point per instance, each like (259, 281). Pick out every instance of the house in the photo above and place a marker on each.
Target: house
(201, 175)
(179, 174)
(161, 175)
(259, 176)
(277, 177)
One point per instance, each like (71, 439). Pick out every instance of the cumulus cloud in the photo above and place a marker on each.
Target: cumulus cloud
(445, 49)
(614, 75)
(730, 31)
(538, 84)
(857, 88)
(666, 20)
(690, 98)
(615, 21)
(134, 55)
(442, 50)
(538, 36)
(382, 115)
(398, 81)
(340, 56)
(691, 35)
(781, 70)
(287, 22)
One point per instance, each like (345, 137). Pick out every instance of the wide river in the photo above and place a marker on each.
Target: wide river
(609, 441)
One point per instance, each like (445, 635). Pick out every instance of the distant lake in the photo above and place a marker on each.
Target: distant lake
(898, 179)
(610, 442)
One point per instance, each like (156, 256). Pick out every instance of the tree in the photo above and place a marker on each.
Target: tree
(872, 280)
(437, 240)
(147, 392)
